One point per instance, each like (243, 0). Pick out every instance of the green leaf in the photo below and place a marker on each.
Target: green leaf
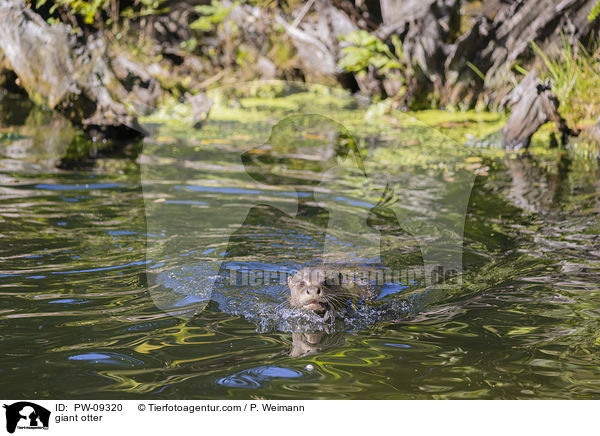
(476, 70)
(203, 23)
(354, 59)
(398, 48)
(379, 61)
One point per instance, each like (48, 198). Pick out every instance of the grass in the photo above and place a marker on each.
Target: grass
(575, 75)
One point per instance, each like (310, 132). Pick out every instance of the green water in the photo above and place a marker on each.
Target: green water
(86, 247)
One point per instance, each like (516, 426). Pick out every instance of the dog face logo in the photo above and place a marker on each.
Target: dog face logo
(26, 415)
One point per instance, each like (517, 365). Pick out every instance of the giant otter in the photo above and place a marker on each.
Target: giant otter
(307, 343)
(326, 291)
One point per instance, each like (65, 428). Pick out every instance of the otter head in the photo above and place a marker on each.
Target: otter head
(314, 289)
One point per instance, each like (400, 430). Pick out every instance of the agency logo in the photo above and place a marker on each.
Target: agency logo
(26, 415)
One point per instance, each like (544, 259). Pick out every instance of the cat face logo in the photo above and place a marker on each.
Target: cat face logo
(26, 415)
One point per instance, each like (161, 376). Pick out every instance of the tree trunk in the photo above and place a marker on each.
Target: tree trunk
(533, 104)
(71, 78)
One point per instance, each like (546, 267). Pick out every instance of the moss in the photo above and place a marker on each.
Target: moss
(243, 115)
(460, 126)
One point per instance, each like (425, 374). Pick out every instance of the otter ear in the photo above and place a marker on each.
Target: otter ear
(289, 280)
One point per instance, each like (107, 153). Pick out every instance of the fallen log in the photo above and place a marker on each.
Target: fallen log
(546, 22)
(506, 34)
(533, 104)
(477, 64)
(201, 105)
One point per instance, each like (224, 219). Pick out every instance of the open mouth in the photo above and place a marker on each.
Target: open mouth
(316, 306)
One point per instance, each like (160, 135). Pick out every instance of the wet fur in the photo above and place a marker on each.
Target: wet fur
(325, 291)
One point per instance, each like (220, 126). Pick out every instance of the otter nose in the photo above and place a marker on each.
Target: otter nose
(313, 290)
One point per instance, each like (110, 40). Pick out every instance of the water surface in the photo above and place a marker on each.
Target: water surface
(86, 249)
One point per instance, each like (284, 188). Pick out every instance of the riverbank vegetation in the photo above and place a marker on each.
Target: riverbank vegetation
(411, 55)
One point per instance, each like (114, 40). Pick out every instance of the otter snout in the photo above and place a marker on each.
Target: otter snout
(313, 291)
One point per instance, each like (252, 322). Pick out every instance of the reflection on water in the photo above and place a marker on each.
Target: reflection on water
(81, 267)
(304, 196)
(307, 343)
(249, 277)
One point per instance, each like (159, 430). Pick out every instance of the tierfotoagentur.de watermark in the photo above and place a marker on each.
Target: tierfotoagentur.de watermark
(308, 187)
